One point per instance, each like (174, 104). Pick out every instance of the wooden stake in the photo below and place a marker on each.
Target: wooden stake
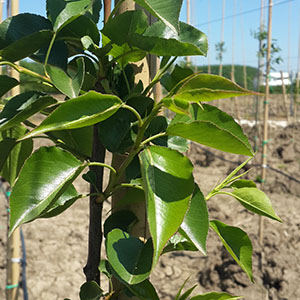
(257, 104)
(14, 242)
(264, 159)
(145, 71)
(285, 98)
(237, 113)
(1, 17)
(188, 21)
(222, 36)
(208, 34)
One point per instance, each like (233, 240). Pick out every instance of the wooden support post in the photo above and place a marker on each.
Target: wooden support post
(144, 72)
(286, 106)
(222, 36)
(1, 18)
(14, 242)
(208, 34)
(264, 159)
(188, 20)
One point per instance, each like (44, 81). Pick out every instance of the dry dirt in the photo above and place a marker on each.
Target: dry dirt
(56, 248)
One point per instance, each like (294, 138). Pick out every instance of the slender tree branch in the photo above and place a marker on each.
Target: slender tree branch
(91, 270)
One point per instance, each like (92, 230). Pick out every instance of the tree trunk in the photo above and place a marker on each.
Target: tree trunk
(143, 71)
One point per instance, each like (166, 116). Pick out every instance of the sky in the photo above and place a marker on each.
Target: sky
(241, 47)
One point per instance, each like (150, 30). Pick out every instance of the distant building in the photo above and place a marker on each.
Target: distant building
(275, 79)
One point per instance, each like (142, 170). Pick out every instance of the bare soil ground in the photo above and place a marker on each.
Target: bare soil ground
(57, 248)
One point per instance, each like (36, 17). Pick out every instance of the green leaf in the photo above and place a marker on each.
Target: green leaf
(256, 201)
(6, 145)
(215, 296)
(62, 12)
(58, 55)
(82, 111)
(22, 35)
(168, 184)
(64, 83)
(132, 196)
(122, 219)
(123, 54)
(237, 243)
(211, 127)
(243, 183)
(206, 87)
(196, 222)
(173, 142)
(79, 140)
(179, 242)
(105, 268)
(14, 159)
(23, 106)
(167, 11)
(169, 81)
(43, 179)
(144, 290)
(114, 132)
(187, 293)
(63, 203)
(78, 28)
(158, 39)
(121, 28)
(6, 84)
(90, 291)
(128, 256)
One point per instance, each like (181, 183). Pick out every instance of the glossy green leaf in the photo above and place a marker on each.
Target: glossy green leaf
(211, 127)
(15, 158)
(79, 112)
(215, 296)
(179, 242)
(132, 196)
(22, 106)
(22, 35)
(173, 142)
(144, 290)
(90, 290)
(26, 46)
(6, 145)
(121, 28)
(58, 57)
(105, 268)
(64, 83)
(43, 179)
(158, 39)
(122, 219)
(237, 243)
(256, 201)
(62, 12)
(180, 290)
(168, 184)
(6, 84)
(123, 54)
(167, 11)
(243, 183)
(196, 222)
(114, 132)
(79, 140)
(187, 293)
(128, 256)
(169, 81)
(77, 29)
(206, 87)
(63, 203)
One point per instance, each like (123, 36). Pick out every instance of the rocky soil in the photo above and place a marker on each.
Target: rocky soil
(56, 248)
